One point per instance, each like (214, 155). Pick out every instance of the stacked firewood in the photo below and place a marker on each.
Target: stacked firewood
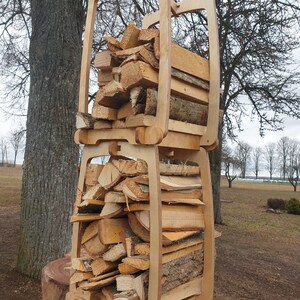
(114, 211)
(128, 79)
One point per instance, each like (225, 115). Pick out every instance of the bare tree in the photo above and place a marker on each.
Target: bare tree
(283, 146)
(293, 165)
(3, 148)
(16, 140)
(242, 154)
(256, 157)
(270, 156)
(229, 163)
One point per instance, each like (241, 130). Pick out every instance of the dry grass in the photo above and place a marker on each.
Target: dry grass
(10, 183)
(247, 211)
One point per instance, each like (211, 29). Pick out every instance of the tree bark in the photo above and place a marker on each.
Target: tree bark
(215, 168)
(51, 157)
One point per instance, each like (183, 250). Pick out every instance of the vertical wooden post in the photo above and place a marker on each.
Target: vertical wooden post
(86, 57)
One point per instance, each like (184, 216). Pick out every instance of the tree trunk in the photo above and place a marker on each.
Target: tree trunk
(51, 157)
(215, 167)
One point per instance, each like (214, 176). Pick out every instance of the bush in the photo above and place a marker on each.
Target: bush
(276, 204)
(293, 206)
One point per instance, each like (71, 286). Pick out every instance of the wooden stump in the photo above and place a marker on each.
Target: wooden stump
(55, 279)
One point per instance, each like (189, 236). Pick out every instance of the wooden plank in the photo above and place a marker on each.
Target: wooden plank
(189, 62)
(80, 276)
(174, 125)
(141, 74)
(86, 57)
(85, 218)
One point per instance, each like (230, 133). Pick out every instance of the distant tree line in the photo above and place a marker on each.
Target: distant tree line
(14, 141)
(281, 159)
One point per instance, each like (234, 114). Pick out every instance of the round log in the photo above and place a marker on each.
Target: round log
(55, 279)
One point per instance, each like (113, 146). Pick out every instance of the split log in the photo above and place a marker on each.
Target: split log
(174, 217)
(112, 41)
(110, 230)
(100, 266)
(144, 248)
(125, 110)
(90, 231)
(104, 276)
(112, 210)
(95, 192)
(102, 124)
(115, 253)
(141, 74)
(128, 295)
(80, 276)
(140, 192)
(55, 279)
(90, 205)
(94, 286)
(104, 61)
(115, 197)
(130, 37)
(124, 283)
(112, 95)
(103, 112)
(129, 167)
(127, 269)
(173, 183)
(144, 234)
(92, 173)
(82, 264)
(109, 176)
(142, 262)
(94, 247)
(104, 77)
(148, 35)
(175, 273)
(84, 121)
(180, 109)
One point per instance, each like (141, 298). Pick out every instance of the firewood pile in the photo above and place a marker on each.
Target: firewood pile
(114, 209)
(128, 80)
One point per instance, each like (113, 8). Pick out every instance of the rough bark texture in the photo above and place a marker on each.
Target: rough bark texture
(51, 157)
(215, 168)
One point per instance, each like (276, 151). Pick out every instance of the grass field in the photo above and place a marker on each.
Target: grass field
(258, 253)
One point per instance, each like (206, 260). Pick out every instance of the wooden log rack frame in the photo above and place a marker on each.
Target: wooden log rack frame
(159, 138)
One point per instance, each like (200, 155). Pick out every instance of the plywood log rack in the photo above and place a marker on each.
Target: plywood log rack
(138, 219)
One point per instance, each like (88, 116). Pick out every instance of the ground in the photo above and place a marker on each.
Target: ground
(258, 253)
